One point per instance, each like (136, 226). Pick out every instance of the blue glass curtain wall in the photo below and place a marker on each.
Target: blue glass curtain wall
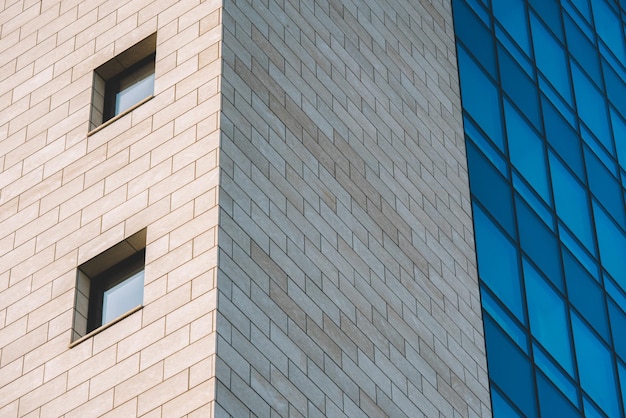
(543, 88)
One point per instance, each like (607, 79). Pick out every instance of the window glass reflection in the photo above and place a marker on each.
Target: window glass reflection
(571, 202)
(596, 377)
(563, 138)
(586, 294)
(512, 15)
(618, 327)
(510, 369)
(480, 98)
(609, 28)
(526, 151)
(583, 50)
(605, 187)
(612, 245)
(122, 297)
(551, 58)
(490, 188)
(591, 106)
(519, 86)
(555, 374)
(552, 403)
(497, 263)
(548, 317)
(539, 243)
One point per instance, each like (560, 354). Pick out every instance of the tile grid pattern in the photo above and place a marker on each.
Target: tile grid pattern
(65, 197)
(347, 279)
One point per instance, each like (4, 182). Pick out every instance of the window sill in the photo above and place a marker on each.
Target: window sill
(116, 117)
(105, 326)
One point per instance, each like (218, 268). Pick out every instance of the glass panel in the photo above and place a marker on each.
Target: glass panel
(526, 151)
(622, 378)
(591, 106)
(552, 403)
(548, 317)
(532, 198)
(550, 12)
(609, 28)
(619, 133)
(497, 263)
(583, 7)
(586, 294)
(615, 87)
(595, 368)
(485, 146)
(122, 297)
(512, 15)
(571, 202)
(134, 92)
(490, 188)
(502, 317)
(480, 98)
(612, 245)
(618, 326)
(519, 86)
(539, 243)
(605, 187)
(552, 371)
(583, 50)
(510, 369)
(475, 35)
(551, 58)
(563, 138)
(501, 407)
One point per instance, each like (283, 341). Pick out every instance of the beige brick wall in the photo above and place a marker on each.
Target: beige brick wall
(325, 139)
(347, 279)
(66, 196)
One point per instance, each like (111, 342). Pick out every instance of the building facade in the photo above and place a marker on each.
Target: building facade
(236, 208)
(544, 111)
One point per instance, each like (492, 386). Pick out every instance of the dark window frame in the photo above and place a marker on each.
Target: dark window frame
(106, 280)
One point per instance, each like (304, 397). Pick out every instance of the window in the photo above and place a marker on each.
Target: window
(109, 285)
(123, 82)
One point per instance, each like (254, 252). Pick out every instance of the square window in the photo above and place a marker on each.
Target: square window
(124, 82)
(109, 285)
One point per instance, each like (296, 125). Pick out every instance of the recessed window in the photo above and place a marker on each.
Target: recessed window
(110, 285)
(129, 88)
(123, 82)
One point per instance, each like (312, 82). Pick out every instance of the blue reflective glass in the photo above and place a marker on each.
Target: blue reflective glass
(497, 263)
(595, 368)
(571, 202)
(501, 407)
(591, 410)
(503, 318)
(480, 98)
(563, 138)
(619, 133)
(551, 58)
(512, 15)
(548, 317)
(618, 327)
(622, 378)
(612, 244)
(573, 245)
(510, 369)
(490, 188)
(526, 151)
(586, 294)
(583, 8)
(519, 87)
(550, 12)
(583, 50)
(539, 206)
(485, 146)
(605, 187)
(615, 87)
(591, 106)
(609, 28)
(475, 35)
(552, 403)
(539, 243)
(555, 374)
